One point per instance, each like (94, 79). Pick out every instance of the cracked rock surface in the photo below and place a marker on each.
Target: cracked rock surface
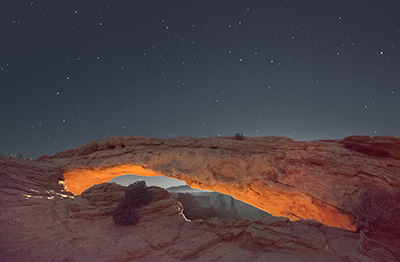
(41, 221)
(294, 179)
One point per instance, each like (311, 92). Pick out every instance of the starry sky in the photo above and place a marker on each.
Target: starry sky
(76, 71)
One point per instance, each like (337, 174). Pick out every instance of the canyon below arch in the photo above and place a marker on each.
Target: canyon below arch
(63, 202)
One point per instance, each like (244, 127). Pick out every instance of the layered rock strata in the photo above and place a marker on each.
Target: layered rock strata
(298, 180)
(41, 221)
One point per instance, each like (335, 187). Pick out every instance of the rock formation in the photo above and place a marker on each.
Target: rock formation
(219, 202)
(223, 211)
(204, 201)
(41, 221)
(204, 198)
(233, 213)
(192, 208)
(298, 180)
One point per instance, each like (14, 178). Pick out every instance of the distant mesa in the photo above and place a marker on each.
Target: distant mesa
(192, 208)
(202, 201)
(185, 189)
(224, 212)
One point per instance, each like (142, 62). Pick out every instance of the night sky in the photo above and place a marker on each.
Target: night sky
(76, 71)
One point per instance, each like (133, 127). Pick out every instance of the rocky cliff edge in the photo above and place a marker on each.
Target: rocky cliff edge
(40, 220)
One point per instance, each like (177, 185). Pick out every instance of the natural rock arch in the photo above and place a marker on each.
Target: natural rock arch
(299, 180)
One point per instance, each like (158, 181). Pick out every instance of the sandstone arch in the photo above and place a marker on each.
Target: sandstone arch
(299, 180)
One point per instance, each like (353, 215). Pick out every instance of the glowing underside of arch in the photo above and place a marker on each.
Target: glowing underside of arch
(78, 180)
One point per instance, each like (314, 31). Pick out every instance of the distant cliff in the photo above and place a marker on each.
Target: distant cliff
(222, 211)
(193, 210)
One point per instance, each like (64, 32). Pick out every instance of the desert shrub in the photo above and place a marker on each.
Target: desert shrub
(125, 214)
(239, 136)
(136, 195)
(377, 209)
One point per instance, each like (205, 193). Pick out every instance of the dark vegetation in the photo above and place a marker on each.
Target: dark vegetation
(136, 195)
(16, 156)
(239, 136)
(377, 210)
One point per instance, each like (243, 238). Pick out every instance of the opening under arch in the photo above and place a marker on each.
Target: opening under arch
(79, 179)
(160, 181)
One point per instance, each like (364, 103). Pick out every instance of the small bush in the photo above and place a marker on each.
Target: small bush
(239, 136)
(136, 195)
(125, 214)
(376, 210)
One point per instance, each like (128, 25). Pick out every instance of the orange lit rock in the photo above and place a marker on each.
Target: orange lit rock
(41, 221)
(78, 180)
(298, 180)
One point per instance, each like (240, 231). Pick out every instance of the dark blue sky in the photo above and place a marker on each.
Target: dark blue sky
(75, 71)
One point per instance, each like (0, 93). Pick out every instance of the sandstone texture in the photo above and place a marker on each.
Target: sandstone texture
(298, 180)
(40, 220)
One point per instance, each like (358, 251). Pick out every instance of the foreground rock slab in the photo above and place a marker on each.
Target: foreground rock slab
(298, 180)
(41, 221)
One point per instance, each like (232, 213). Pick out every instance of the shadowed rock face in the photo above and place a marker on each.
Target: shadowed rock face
(298, 180)
(193, 210)
(41, 221)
